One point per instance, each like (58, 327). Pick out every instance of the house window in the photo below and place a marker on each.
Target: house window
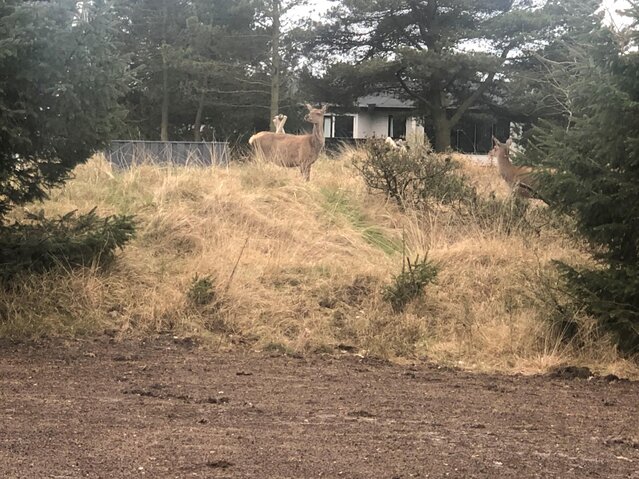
(344, 126)
(396, 126)
(328, 126)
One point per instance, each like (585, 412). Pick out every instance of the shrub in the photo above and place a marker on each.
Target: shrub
(410, 283)
(611, 294)
(413, 178)
(202, 291)
(39, 244)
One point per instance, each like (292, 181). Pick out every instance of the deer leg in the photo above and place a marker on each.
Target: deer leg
(305, 166)
(306, 171)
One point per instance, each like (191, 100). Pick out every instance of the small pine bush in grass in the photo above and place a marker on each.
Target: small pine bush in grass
(40, 244)
(202, 290)
(611, 294)
(410, 283)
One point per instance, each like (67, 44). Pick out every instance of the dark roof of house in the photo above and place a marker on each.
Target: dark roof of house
(388, 100)
(384, 101)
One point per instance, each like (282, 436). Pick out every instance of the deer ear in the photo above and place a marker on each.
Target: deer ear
(309, 106)
(509, 142)
(324, 108)
(495, 141)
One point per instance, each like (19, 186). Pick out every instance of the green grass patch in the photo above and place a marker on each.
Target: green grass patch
(339, 205)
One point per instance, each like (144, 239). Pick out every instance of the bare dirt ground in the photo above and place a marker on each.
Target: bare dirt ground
(167, 408)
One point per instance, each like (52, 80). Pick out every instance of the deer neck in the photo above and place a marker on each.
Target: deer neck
(317, 137)
(505, 166)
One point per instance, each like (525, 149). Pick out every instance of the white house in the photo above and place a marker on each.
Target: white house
(377, 116)
(382, 115)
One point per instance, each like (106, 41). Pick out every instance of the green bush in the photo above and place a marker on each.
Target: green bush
(410, 283)
(611, 294)
(40, 244)
(60, 89)
(415, 178)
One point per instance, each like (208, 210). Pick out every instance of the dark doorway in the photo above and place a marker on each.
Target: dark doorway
(397, 126)
(344, 126)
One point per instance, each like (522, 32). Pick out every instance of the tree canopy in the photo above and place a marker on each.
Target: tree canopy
(212, 68)
(446, 55)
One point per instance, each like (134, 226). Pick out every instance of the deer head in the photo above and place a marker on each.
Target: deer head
(315, 115)
(501, 148)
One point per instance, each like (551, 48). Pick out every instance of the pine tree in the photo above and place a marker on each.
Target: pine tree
(533, 88)
(196, 64)
(61, 79)
(220, 55)
(60, 82)
(593, 148)
(148, 31)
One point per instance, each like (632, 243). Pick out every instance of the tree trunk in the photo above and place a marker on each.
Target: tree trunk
(164, 129)
(164, 126)
(442, 130)
(197, 126)
(276, 62)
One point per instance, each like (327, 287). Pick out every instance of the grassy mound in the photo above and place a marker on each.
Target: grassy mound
(253, 255)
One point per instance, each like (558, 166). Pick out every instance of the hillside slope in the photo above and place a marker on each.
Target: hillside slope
(253, 255)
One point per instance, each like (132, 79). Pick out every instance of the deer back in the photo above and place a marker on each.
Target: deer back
(283, 148)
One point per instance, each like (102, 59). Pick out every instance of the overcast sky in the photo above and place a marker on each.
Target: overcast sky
(612, 6)
(318, 7)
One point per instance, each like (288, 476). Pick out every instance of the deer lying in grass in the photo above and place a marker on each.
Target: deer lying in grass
(520, 178)
(395, 145)
(293, 151)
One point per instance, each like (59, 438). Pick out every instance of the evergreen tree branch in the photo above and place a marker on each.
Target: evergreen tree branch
(481, 89)
(409, 91)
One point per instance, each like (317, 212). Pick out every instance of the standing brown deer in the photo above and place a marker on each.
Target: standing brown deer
(520, 178)
(293, 151)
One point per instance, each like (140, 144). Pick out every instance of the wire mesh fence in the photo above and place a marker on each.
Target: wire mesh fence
(127, 153)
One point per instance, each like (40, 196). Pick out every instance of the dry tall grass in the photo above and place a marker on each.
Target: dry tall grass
(299, 266)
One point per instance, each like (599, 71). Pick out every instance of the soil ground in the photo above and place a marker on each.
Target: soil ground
(165, 408)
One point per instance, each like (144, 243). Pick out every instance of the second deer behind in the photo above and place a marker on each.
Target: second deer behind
(520, 178)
